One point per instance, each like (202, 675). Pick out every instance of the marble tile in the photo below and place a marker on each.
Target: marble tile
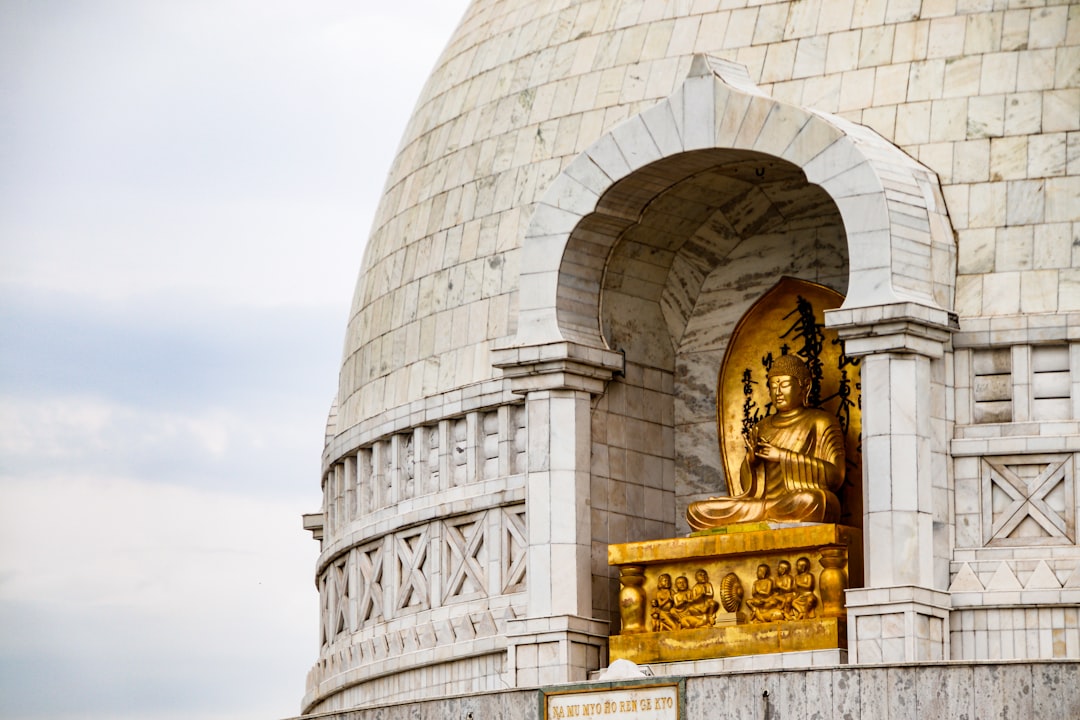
(842, 53)
(926, 80)
(1061, 110)
(1023, 113)
(946, 37)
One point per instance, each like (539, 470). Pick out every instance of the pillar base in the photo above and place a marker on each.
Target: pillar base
(897, 624)
(552, 650)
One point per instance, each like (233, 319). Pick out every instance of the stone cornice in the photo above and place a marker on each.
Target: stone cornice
(905, 327)
(558, 365)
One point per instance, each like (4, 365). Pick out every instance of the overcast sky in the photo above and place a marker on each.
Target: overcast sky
(185, 192)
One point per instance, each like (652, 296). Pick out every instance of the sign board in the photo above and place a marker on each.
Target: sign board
(615, 701)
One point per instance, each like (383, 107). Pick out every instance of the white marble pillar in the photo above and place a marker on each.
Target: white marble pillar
(557, 503)
(901, 613)
(558, 640)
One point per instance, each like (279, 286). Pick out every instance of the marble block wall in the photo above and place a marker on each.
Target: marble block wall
(1030, 690)
(572, 225)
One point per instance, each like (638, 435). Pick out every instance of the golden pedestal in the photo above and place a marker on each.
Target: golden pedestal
(738, 590)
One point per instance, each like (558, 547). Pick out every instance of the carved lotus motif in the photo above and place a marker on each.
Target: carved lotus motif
(731, 592)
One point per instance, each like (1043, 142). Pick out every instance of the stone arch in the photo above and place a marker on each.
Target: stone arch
(899, 240)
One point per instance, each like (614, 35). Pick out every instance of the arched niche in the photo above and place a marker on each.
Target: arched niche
(900, 245)
(720, 228)
(834, 203)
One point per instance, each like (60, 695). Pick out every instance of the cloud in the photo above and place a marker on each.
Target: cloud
(168, 392)
(238, 148)
(185, 192)
(120, 598)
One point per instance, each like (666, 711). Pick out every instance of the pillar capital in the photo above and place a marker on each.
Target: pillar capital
(905, 327)
(560, 365)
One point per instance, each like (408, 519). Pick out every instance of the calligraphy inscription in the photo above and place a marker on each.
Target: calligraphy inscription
(649, 703)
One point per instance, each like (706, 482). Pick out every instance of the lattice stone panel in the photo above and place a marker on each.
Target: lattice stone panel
(369, 561)
(465, 557)
(515, 545)
(335, 597)
(1028, 500)
(412, 571)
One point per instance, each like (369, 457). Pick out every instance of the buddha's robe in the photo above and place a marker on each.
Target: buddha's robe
(800, 487)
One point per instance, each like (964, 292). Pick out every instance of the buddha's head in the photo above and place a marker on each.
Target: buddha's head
(789, 383)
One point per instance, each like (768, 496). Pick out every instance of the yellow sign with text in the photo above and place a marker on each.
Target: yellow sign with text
(654, 702)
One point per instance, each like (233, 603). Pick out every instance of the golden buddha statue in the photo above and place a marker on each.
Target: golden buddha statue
(794, 461)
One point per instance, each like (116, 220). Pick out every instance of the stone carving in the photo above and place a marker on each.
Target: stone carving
(411, 554)
(804, 602)
(514, 549)
(783, 597)
(731, 593)
(794, 461)
(335, 610)
(785, 587)
(370, 566)
(679, 606)
(464, 558)
(764, 603)
(663, 605)
(683, 607)
(1027, 500)
(767, 599)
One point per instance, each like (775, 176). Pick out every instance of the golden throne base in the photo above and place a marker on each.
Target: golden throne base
(834, 552)
(730, 641)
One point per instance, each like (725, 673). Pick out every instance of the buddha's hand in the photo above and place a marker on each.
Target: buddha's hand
(750, 444)
(765, 450)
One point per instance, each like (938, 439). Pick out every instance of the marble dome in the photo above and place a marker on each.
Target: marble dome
(587, 198)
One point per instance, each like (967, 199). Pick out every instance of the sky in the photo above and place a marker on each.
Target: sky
(186, 188)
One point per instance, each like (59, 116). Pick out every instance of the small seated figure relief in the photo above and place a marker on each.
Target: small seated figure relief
(784, 587)
(764, 603)
(693, 607)
(805, 601)
(663, 606)
(704, 596)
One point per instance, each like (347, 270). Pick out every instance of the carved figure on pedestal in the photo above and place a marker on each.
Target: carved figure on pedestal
(789, 431)
(692, 608)
(784, 587)
(794, 461)
(764, 604)
(663, 605)
(702, 594)
(805, 601)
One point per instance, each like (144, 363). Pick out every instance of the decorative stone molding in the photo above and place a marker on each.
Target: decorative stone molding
(902, 327)
(557, 366)
(418, 596)
(899, 239)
